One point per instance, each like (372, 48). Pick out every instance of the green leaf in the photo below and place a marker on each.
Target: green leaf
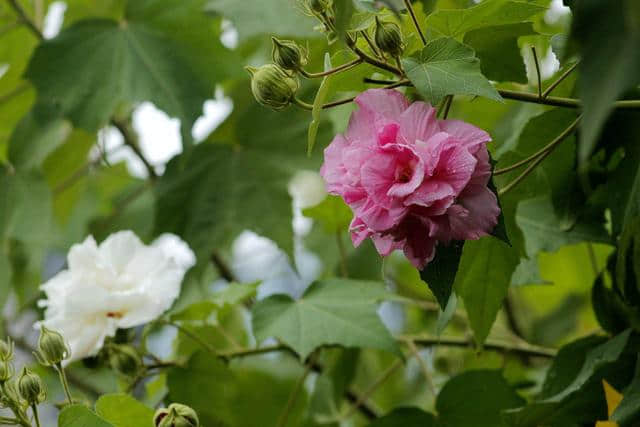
(483, 280)
(447, 67)
(405, 417)
(445, 315)
(456, 22)
(253, 18)
(609, 308)
(332, 213)
(544, 231)
(93, 67)
(628, 411)
(627, 269)
(122, 410)
(440, 273)
(475, 398)
(498, 51)
(80, 416)
(321, 97)
(618, 26)
(577, 392)
(332, 311)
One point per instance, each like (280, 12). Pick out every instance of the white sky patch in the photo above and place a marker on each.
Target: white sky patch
(110, 141)
(215, 112)
(159, 134)
(229, 36)
(54, 19)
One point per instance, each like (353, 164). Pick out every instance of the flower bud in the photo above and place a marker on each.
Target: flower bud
(31, 388)
(287, 54)
(6, 350)
(317, 6)
(52, 349)
(388, 38)
(125, 359)
(272, 86)
(6, 371)
(176, 415)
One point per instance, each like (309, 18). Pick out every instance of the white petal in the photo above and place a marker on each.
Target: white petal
(177, 249)
(118, 249)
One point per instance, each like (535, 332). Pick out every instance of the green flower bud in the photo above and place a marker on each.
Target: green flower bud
(176, 415)
(318, 6)
(388, 38)
(31, 388)
(52, 349)
(125, 359)
(287, 54)
(272, 86)
(6, 370)
(6, 349)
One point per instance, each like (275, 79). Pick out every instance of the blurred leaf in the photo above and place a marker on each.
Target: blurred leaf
(456, 22)
(445, 315)
(122, 410)
(140, 58)
(498, 51)
(491, 395)
(628, 411)
(618, 25)
(332, 311)
(482, 281)
(332, 213)
(447, 67)
(405, 417)
(80, 416)
(610, 310)
(441, 272)
(321, 97)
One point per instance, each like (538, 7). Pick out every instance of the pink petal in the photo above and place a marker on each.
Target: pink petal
(456, 166)
(418, 123)
(360, 129)
(430, 192)
(359, 231)
(469, 135)
(388, 103)
(476, 214)
(386, 244)
(419, 247)
(379, 218)
(333, 170)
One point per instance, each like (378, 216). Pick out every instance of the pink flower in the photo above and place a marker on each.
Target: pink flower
(411, 180)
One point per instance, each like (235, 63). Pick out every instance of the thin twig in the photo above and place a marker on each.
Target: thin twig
(448, 100)
(22, 14)
(568, 131)
(131, 140)
(535, 60)
(372, 45)
(335, 70)
(223, 269)
(519, 348)
(295, 391)
(560, 79)
(409, 6)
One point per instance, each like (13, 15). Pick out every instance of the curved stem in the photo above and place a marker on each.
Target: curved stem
(373, 61)
(409, 6)
(564, 75)
(548, 150)
(335, 70)
(65, 383)
(535, 60)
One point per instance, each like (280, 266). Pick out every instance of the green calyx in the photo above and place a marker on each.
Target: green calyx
(287, 54)
(125, 359)
(272, 86)
(52, 349)
(6, 370)
(6, 350)
(176, 415)
(31, 388)
(388, 38)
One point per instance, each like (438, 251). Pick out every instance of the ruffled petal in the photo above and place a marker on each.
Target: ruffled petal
(469, 136)
(418, 123)
(388, 103)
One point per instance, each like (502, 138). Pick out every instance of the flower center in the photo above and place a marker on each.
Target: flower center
(114, 314)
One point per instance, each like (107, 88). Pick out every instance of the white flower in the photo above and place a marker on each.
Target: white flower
(120, 283)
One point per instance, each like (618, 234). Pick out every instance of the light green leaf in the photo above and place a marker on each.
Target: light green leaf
(333, 311)
(80, 416)
(456, 22)
(235, 293)
(447, 67)
(321, 97)
(122, 410)
(483, 280)
(476, 398)
(498, 51)
(93, 67)
(332, 213)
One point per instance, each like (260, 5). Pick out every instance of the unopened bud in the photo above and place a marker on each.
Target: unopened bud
(6, 349)
(125, 359)
(52, 349)
(318, 6)
(176, 415)
(287, 54)
(6, 371)
(272, 86)
(388, 38)
(31, 388)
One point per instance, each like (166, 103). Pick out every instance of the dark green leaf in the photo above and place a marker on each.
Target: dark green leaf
(447, 67)
(440, 273)
(609, 308)
(333, 311)
(482, 281)
(405, 417)
(627, 413)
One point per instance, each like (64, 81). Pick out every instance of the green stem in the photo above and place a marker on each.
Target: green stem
(564, 75)
(22, 15)
(520, 348)
(548, 150)
(409, 6)
(535, 60)
(131, 139)
(335, 70)
(448, 100)
(34, 408)
(65, 383)
(372, 46)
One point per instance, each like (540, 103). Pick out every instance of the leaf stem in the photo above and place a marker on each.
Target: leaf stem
(409, 6)
(535, 60)
(520, 348)
(448, 100)
(335, 70)
(65, 384)
(22, 15)
(34, 409)
(372, 46)
(564, 75)
(547, 150)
